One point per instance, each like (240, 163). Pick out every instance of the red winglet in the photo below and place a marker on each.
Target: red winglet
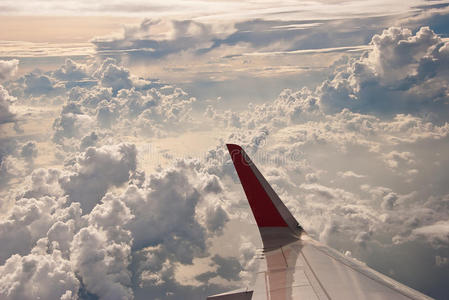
(264, 211)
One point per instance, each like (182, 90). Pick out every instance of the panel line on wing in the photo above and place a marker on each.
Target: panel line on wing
(354, 267)
(315, 278)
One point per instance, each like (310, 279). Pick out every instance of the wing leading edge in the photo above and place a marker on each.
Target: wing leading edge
(296, 266)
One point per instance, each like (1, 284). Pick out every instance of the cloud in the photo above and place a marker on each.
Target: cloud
(228, 268)
(216, 219)
(396, 50)
(70, 125)
(140, 42)
(96, 170)
(394, 158)
(29, 151)
(101, 252)
(93, 235)
(231, 51)
(6, 115)
(38, 275)
(30, 219)
(220, 10)
(437, 234)
(8, 68)
(392, 77)
(434, 16)
(289, 107)
(37, 84)
(349, 174)
(114, 101)
(71, 71)
(88, 141)
(115, 77)
(176, 191)
(402, 74)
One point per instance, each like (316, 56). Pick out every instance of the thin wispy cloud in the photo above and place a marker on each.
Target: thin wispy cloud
(224, 10)
(29, 49)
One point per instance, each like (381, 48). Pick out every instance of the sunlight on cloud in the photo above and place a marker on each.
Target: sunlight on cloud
(113, 169)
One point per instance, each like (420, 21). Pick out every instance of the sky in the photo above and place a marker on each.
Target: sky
(115, 182)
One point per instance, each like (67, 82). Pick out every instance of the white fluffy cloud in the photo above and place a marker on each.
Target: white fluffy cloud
(5, 101)
(7, 69)
(101, 252)
(115, 77)
(116, 103)
(71, 71)
(66, 218)
(38, 275)
(95, 171)
(437, 233)
(400, 74)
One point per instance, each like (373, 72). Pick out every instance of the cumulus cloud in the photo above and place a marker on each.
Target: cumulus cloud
(37, 84)
(93, 235)
(88, 141)
(216, 219)
(8, 68)
(71, 125)
(5, 101)
(29, 151)
(118, 103)
(115, 77)
(290, 107)
(95, 171)
(437, 234)
(71, 71)
(399, 74)
(31, 218)
(38, 275)
(101, 252)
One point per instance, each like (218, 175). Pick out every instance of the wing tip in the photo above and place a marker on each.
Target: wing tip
(233, 147)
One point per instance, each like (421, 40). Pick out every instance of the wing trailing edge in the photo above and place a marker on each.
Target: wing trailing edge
(240, 294)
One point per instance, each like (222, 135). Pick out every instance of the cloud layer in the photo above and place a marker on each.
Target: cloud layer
(359, 159)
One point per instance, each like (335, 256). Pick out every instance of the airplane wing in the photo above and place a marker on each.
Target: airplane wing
(294, 265)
